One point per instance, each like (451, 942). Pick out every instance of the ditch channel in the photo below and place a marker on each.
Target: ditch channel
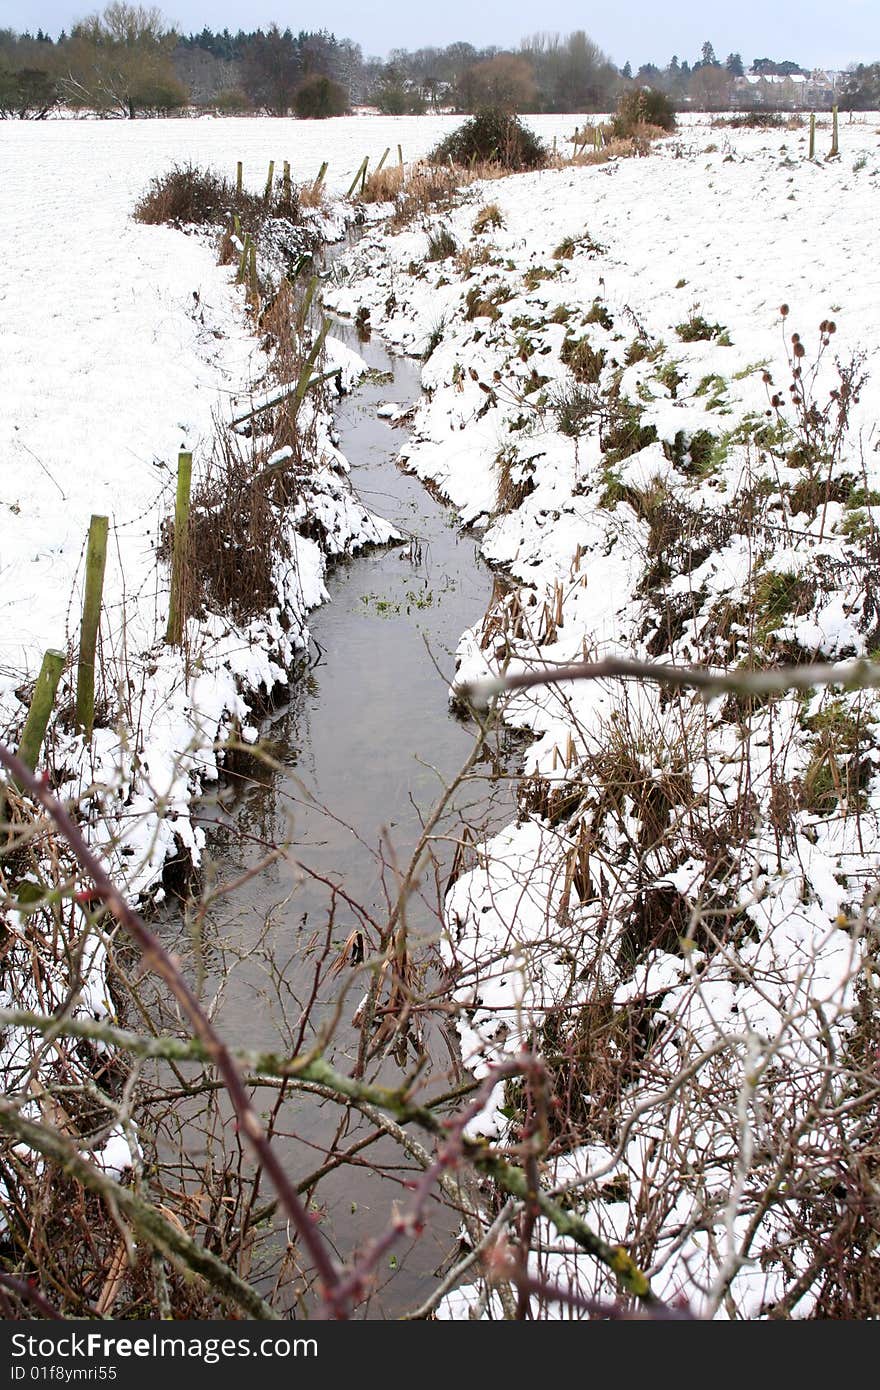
(361, 753)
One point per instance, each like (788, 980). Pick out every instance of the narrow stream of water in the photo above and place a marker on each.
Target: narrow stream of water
(363, 749)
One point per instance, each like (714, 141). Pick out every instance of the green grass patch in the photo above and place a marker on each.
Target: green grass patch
(697, 329)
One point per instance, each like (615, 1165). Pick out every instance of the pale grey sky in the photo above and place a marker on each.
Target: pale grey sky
(812, 32)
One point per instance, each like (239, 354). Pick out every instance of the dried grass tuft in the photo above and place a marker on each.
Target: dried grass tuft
(384, 185)
(237, 536)
(425, 189)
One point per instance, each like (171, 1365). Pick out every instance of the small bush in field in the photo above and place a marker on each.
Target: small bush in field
(642, 106)
(577, 409)
(318, 97)
(495, 136)
(186, 196)
(757, 120)
(425, 189)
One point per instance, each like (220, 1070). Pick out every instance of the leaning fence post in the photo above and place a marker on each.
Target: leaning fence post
(320, 179)
(307, 303)
(174, 631)
(305, 375)
(360, 176)
(382, 160)
(96, 559)
(42, 701)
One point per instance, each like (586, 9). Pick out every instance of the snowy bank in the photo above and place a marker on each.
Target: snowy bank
(654, 383)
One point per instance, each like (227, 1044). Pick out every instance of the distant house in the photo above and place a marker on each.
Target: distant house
(794, 92)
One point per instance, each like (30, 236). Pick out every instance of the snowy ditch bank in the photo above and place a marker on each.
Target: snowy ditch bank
(654, 384)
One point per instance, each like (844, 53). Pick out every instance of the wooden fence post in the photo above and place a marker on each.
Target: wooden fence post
(179, 555)
(239, 175)
(243, 261)
(307, 303)
(305, 375)
(34, 730)
(360, 176)
(42, 701)
(96, 559)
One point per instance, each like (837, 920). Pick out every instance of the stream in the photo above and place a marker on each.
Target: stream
(363, 750)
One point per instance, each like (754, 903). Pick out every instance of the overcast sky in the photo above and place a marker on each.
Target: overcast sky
(830, 33)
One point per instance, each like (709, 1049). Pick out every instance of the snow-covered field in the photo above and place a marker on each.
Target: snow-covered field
(595, 400)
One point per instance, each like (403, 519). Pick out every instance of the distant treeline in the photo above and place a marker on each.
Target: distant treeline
(128, 61)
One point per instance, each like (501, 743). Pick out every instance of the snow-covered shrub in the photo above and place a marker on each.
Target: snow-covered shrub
(189, 196)
(495, 136)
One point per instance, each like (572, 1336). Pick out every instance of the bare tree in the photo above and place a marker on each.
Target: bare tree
(120, 61)
(505, 81)
(710, 87)
(573, 74)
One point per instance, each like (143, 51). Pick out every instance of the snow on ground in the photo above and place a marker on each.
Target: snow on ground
(598, 397)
